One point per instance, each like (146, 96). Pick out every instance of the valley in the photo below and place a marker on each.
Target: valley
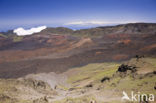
(60, 65)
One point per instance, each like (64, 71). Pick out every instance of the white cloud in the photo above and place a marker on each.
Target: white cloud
(86, 23)
(75, 23)
(21, 32)
(94, 22)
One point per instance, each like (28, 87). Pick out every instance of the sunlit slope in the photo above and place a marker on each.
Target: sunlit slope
(87, 79)
(100, 82)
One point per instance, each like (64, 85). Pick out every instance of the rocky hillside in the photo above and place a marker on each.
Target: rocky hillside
(132, 28)
(58, 49)
(92, 83)
(59, 65)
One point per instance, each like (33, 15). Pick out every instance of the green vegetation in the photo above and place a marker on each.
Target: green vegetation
(62, 87)
(2, 35)
(17, 38)
(94, 71)
(80, 77)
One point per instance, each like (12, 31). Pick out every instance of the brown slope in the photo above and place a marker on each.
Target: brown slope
(102, 51)
(46, 51)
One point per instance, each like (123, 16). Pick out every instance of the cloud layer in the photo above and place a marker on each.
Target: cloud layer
(86, 23)
(21, 32)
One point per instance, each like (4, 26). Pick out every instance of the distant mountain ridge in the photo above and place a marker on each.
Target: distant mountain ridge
(130, 28)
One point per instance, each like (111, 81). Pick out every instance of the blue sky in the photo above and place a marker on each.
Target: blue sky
(28, 13)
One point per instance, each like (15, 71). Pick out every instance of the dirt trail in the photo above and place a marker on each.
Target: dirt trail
(67, 94)
(106, 96)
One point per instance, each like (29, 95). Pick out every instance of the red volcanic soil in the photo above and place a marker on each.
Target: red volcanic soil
(121, 36)
(54, 45)
(57, 53)
(120, 57)
(126, 41)
(33, 46)
(148, 48)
